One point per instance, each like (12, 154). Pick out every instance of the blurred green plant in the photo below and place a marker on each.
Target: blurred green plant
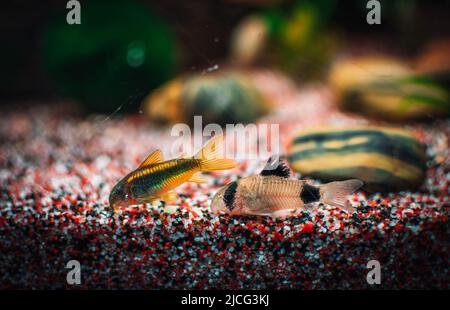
(302, 46)
(118, 54)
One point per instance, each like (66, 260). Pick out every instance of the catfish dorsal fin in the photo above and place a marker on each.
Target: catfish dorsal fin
(276, 167)
(153, 158)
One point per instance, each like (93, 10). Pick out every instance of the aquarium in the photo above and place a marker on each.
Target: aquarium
(221, 146)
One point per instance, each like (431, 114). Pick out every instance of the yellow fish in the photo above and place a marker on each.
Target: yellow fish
(155, 178)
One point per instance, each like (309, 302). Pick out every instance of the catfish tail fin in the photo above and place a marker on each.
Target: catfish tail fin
(335, 193)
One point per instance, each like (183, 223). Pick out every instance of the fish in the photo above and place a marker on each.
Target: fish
(155, 179)
(273, 193)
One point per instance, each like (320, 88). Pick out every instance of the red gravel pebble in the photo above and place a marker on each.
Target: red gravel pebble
(56, 171)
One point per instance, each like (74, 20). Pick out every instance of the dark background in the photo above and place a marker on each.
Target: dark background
(202, 29)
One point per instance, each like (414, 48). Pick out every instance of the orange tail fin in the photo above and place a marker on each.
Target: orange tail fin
(211, 156)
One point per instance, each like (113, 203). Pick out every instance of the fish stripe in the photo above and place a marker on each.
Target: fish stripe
(229, 195)
(159, 178)
(309, 193)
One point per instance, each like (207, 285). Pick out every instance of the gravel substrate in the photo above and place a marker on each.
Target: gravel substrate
(56, 171)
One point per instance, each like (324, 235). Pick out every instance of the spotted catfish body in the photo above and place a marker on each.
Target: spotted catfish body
(155, 178)
(265, 195)
(273, 193)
